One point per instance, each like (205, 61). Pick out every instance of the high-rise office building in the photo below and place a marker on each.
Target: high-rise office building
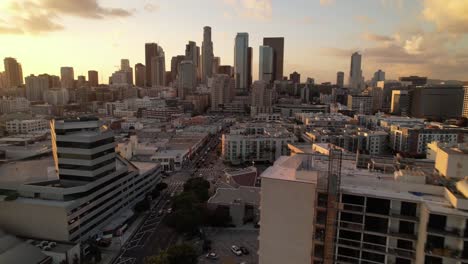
(436, 101)
(3, 80)
(140, 75)
(355, 74)
(151, 50)
(186, 78)
(241, 61)
(125, 67)
(378, 76)
(216, 64)
(226, 69)
(295, 77)
(340, 79)
(465, 102)
(93, 78)
(175, 61)
(67, 77)
(158, 68)
(400, 102)
(35, 87)
(262, 94)
(207, 55)
(249, 67)
(80, 81)
(278, 56)
(222, 91)
(13, 72)
(415, 80)
(265, 64)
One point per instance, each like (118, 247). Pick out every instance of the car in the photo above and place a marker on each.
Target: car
(211, 255)
(236, 250)
(169, 210)
(244, 250)
(160, 212)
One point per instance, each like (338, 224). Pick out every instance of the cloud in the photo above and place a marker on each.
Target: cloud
(149, 7)
(326, 2)
(413, 45)
(40, 16)
(253, 9)
(377, 37)
(448, 15)
(364, 20)
(420, 53)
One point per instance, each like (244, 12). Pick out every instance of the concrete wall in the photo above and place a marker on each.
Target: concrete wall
(286, 221)
(34, 220)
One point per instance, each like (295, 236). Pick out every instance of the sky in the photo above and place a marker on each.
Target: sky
(401, 37)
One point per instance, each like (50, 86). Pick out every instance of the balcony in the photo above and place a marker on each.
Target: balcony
(353, 208)
(352, 226)
(396, 214)
(445, 252)
(398, 234)
(453, 232)
(399, 252)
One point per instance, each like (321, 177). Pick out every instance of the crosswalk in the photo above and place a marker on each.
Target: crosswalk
(149, 224)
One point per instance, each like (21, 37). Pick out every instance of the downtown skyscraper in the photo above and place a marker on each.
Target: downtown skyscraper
(241, 62)
(13, 72)
(207, 55)
(277, 44)
(151, 50)
(355, 74)
(67, 77)
(265, 64)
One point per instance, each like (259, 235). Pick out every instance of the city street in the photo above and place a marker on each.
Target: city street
(152, 235)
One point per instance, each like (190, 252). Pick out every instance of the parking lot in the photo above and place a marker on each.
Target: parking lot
(222, 240)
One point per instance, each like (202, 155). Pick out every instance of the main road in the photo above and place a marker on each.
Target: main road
(152, 235)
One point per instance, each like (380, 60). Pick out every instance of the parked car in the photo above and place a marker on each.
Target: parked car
(169, 210)
(212, 255)
(244, 250)
(160, 212)
(236, 250)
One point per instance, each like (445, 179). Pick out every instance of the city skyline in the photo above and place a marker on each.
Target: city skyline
(405, 38)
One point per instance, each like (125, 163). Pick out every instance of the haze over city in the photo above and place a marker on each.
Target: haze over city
(402, 37)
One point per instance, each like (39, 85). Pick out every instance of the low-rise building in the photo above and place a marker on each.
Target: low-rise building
(256, 142)
(26, 126)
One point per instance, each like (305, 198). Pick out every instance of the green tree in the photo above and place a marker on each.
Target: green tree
(182, 254)
(185, 220)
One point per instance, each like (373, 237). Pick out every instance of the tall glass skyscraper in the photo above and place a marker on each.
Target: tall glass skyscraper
(241, 48)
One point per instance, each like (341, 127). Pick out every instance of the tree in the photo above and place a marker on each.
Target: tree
(185, 220)
(185, 200)
(178, 254)
(155, 193)
(182, 254)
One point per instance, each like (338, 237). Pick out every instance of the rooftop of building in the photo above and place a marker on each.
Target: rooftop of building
(15, 250)
(226, 196)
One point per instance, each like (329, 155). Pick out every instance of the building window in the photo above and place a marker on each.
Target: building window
(378, 206)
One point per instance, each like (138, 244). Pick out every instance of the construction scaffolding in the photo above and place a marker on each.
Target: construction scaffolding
(333, 189)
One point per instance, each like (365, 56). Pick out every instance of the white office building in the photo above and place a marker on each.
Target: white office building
(85, 186)
(26, 126)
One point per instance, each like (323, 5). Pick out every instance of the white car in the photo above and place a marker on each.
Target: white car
(236, 250)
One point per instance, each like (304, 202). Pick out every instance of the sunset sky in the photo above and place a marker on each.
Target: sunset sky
(401, 37)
